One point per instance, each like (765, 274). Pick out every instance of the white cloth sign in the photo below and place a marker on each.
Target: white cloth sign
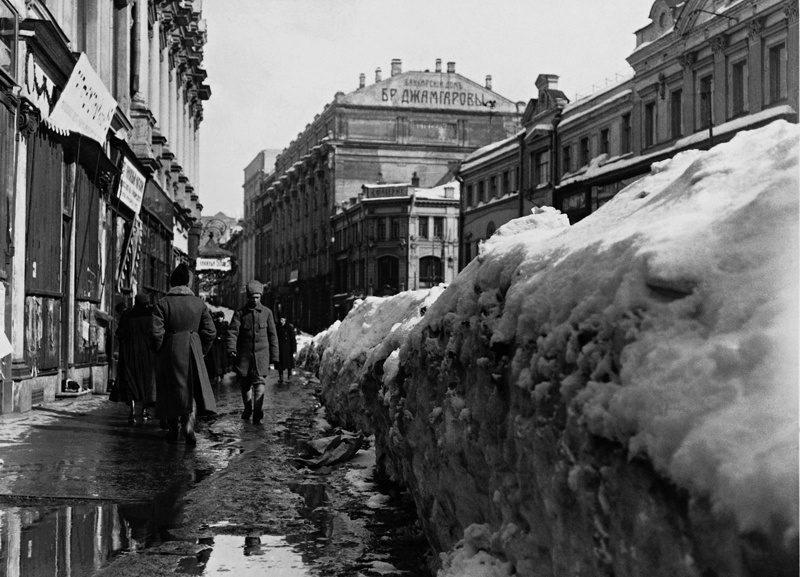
(131, 186)
(85, 106)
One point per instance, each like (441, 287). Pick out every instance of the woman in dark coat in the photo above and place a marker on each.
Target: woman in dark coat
(182, 332)
(287, 347)
(136, 378)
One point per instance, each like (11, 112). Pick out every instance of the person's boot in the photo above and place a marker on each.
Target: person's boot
(187, 424)
(132, 416)
(248, 410)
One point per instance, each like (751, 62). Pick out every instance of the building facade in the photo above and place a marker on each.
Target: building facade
(703, 70)
(103, 102)
(393, 237)
(410, 123)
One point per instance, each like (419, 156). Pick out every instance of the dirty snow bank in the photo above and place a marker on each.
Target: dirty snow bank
(616, 397)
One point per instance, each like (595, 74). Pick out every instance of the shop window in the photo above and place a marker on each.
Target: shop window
(423, 227)
(776, 71)
(676, 113)
(649, 124)
(605, 146)
(737, 88)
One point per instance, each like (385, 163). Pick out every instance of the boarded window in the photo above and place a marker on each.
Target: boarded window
(43, 218)
(87, 238)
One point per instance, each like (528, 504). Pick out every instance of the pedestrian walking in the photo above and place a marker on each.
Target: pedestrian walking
(137, 362)
(287, 347)
(253, 349)
(219, 350)
(182, 332)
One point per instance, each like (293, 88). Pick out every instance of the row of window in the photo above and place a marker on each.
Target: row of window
(495, 186)
(351, 275)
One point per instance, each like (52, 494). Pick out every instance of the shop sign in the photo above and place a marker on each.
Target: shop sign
(85, 106)
(180, 238)
(221, 264)
(131, 186)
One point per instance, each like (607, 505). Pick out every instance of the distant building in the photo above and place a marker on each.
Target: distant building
(422, 122)
(703, 71)
(255, 174)
(394, 237)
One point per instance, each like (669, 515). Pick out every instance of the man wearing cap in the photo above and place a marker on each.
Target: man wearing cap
(253, 349)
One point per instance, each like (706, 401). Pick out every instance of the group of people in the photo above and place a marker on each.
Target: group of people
(166, 363)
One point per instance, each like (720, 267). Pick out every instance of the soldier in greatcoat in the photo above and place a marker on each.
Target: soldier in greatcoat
(182, 332)
(253, 349)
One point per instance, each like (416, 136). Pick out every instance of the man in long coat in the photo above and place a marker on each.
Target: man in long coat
(182, 332)
(287, 345)
(253, 349)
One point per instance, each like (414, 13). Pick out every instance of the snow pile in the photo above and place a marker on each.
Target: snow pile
(353, 350)
(615, 397)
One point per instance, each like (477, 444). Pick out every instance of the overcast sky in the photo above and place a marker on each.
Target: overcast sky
(273, 64)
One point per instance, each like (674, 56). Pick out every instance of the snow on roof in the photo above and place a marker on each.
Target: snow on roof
(511, 140)
(570, 118)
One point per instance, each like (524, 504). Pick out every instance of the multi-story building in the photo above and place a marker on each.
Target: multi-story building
(394, 237)
(419, 122)
(702, 71)
(101, 105)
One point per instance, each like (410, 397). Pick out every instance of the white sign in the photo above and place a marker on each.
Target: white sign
(131, 186)
(86, 106)
(180, 237)
(223, 264)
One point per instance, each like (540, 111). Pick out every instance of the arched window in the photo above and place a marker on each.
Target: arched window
(431, 271)
(490, 228)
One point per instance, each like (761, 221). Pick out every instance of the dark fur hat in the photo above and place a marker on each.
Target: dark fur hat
(180, 276)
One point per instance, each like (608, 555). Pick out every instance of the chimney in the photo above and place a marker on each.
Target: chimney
(362, 79)
(397, 66)
(415, 179)
(488, 82)
(438, 65)
(378, 75)
(546, 82)
(451, 67)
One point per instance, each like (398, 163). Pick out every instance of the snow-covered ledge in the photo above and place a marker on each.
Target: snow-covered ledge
(618, 397)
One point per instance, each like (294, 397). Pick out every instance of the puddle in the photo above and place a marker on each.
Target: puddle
(255, 555)
(78, 539)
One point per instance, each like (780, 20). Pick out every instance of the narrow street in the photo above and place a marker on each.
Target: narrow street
(82, 493)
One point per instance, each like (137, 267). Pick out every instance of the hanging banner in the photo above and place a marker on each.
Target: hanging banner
(39, 90)
(85, 106)
(131, 186)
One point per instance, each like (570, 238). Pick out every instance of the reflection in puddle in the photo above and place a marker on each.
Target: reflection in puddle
(245, 556)
(76, 540)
